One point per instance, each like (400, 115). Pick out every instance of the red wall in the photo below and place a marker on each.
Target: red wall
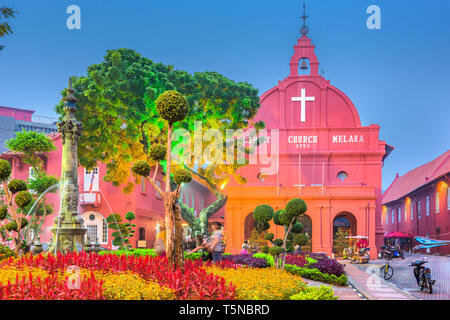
(427, 225)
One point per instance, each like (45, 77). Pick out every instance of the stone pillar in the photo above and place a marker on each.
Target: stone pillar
(68, 231)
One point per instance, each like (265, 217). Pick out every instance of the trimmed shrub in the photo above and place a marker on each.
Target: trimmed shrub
(5, 170)
(172, 106)
(297, 227)
(17, 185)
(141, 168)
(157, 152)
(275, 251)
(3, 212)
(263, 213)
(269, 236)
(278, 242)
(23, 198)
(296, 207)
(130, 216)
(181, 176)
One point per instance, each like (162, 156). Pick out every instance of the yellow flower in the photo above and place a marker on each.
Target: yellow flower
(260, 283)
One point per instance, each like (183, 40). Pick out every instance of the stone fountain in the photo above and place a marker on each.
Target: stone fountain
(68, 231)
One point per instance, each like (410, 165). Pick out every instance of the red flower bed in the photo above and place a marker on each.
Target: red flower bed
(193, 282)
(51, 288)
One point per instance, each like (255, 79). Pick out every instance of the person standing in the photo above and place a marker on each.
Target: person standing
(215, 246)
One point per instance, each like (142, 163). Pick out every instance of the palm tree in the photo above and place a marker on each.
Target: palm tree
(5, 28)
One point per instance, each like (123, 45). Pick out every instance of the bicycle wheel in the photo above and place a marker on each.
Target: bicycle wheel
(386, 272)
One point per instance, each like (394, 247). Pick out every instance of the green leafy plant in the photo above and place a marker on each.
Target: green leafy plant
(124, 230)
(315, 293)
(316, 275)
(287, 218)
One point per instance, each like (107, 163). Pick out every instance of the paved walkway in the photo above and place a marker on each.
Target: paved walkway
(369, 284)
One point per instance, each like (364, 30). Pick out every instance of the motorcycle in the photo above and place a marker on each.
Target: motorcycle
(423, 275)
(390, 253)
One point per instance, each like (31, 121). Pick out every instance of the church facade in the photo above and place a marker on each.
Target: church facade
(325, 157)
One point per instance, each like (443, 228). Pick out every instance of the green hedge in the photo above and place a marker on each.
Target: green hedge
(315, 274)
(133, 252)
(195, 255)
(315, 293)
(269, 258)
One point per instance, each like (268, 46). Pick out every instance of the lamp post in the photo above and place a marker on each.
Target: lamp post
(68, 231)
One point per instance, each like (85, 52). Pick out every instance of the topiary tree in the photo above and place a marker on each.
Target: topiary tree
(13, 199)
(172, 107)
(292, 228)
(124, 230)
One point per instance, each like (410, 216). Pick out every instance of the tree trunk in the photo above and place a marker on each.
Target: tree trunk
(169, 219)
(178, 250)
(283, 254)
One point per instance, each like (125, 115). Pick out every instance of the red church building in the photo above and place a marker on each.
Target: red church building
(326, 157)
(418, 202)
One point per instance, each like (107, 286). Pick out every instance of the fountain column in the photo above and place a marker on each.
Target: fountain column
(68, 231)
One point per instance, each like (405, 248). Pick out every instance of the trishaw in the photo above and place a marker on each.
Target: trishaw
(358, 252)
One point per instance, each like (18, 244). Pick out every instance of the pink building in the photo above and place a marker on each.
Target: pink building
(16, 113)
(418, 203)
(98, 199)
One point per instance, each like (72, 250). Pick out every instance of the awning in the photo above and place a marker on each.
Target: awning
(397, 234)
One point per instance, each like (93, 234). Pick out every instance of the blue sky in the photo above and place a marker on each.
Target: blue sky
(397, 77)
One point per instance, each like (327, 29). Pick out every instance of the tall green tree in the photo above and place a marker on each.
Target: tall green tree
(6, 13)
(117, 106)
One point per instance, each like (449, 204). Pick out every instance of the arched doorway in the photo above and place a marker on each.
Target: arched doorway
(249, 225)
(344, 225)
(307, 228)
(97, 227)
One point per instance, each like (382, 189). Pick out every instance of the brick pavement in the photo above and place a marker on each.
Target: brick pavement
(403, 277)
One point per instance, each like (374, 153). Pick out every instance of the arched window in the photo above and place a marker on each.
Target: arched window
(342, 175)
(141, 234)
(97, 227)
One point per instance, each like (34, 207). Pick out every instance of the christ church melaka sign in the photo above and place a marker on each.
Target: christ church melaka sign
(313, 141)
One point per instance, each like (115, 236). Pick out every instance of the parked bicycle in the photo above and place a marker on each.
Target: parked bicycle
(386, 271)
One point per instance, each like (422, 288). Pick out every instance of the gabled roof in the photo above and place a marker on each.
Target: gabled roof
(418, 177)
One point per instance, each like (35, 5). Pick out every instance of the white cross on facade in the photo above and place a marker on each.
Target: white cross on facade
(303, 100)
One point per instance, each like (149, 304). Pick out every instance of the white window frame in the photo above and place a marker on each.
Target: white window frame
(437, 202)
(412, 210)
(427, 205)
(400, 214)
(392, 216)
(448, 198)
(419, 214)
